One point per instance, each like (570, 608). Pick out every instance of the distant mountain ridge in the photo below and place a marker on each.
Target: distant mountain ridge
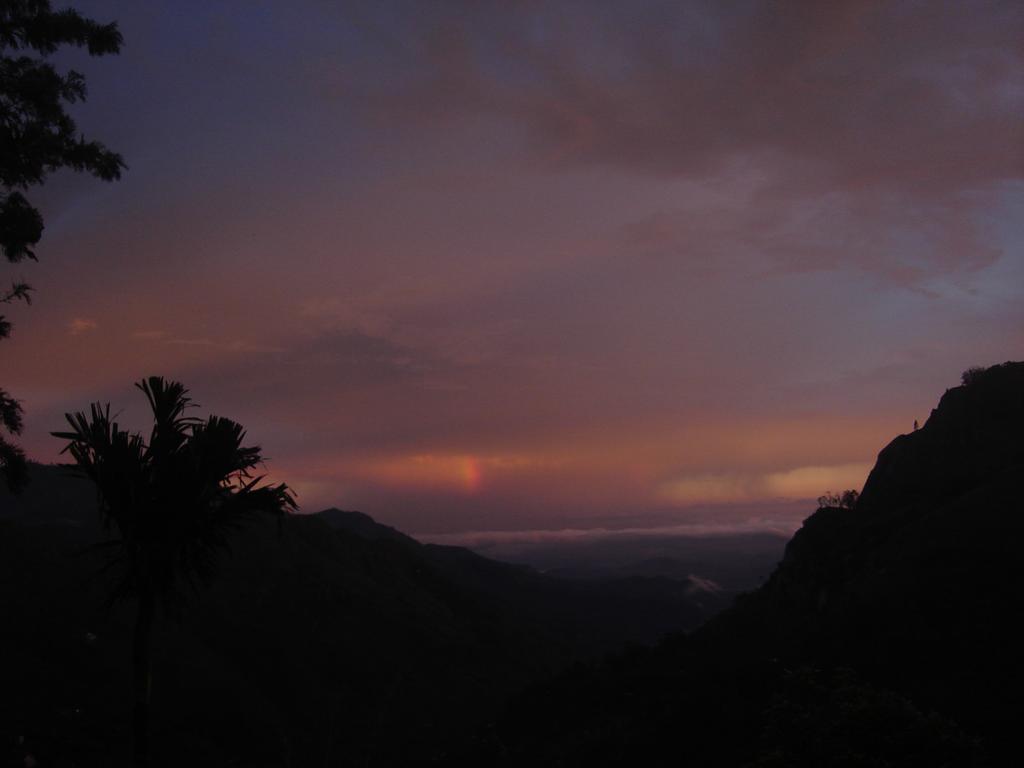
(648, 606)
(889, 635)
(361, 525)
(329, 635)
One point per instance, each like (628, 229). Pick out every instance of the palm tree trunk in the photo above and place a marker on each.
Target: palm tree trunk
(142, 676)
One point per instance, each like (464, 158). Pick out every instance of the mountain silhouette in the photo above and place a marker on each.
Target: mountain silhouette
(331, 639)
(362, 525)
(586, 616)
(890, 634)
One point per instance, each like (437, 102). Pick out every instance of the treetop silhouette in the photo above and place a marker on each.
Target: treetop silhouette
(172, 502)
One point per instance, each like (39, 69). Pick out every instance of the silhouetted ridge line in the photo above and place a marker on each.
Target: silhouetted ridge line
(334, 629)
(976, 432)
(361, 525)
(890, 634)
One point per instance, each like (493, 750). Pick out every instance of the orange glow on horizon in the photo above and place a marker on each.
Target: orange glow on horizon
(471, 474)
(459, 473)
(701, 464)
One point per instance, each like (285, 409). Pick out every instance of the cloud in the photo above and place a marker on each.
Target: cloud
(804, 482)
(708, 488)
(80, 325)
(546, 263)
(701, 584)
(222, 345)
(809, 482)
(464, 473)
(881, 132)
(227, 345)
(482, 540)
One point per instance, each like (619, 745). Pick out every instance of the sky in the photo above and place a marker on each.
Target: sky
(520, 266)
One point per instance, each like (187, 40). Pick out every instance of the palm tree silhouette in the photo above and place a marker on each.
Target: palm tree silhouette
(172, 503)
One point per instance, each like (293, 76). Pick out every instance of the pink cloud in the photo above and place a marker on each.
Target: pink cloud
(80, 325)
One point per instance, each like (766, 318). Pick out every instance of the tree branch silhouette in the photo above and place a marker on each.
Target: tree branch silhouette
(38, 137)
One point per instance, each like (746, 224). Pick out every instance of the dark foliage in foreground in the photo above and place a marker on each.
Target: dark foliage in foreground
(38, 137)
(172, 501)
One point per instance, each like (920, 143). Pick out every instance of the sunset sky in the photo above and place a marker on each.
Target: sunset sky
(471, 266)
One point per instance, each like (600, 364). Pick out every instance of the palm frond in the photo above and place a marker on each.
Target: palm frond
(168, 400)
(175, 501)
